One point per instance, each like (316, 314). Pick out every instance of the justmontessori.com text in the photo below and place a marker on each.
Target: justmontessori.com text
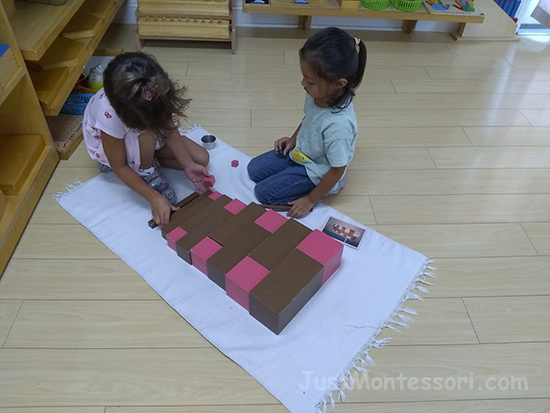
(402, 382)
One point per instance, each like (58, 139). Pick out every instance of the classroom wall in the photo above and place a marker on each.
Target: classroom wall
(127, 15)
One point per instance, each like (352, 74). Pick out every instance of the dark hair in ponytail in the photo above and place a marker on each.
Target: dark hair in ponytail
(143, 95)
(332, 54)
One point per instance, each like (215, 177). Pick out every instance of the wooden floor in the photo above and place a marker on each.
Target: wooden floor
(453, 160)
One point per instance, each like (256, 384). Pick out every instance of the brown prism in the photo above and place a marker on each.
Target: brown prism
(191, 208)
(281, 243)
(285, 290)
(234, 251)
(235, 225)
(195, 235)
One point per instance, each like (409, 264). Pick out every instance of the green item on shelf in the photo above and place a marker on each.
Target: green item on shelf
(406, 5)
(375, 4)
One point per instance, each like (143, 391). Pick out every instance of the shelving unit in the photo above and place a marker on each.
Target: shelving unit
(195, 20)
(27, 154)
(339, 8)
(82, 21)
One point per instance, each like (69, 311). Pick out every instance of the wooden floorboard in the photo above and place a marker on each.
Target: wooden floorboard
(452, 159)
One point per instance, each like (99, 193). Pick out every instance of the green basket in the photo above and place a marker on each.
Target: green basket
(406, 5)
(375, 4)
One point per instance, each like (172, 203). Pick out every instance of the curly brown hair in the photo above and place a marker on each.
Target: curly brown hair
(143, 95)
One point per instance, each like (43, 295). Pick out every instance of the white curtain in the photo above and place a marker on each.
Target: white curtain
(542, 13)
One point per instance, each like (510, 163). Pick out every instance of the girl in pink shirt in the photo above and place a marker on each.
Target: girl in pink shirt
(131, 126)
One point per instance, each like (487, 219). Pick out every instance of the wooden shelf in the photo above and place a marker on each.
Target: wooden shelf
(194, 20)
(82, 26)
(5, 91)
(54, 86)
(37, 25)
(333, 9)
(3, 204)
(62, 53)
(27, 154)
(18, 155)
(184, 28)
(213, 8)
(20, 207)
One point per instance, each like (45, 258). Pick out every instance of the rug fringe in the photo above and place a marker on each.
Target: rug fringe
(362, 361)
(69, 188)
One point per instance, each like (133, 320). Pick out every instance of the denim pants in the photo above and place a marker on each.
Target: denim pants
(279, 179)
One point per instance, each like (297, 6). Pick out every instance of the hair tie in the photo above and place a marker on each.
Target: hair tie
(357, 41)
(146, 95)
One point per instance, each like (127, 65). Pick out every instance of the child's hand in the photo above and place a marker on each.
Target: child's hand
(161, 209)
(283, 145)
(196, 174)
(300, 207)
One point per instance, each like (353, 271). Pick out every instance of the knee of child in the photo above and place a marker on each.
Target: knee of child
(261, 195)
(252, 170)
(203, 158)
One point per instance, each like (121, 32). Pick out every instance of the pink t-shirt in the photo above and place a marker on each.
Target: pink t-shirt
(100, 116)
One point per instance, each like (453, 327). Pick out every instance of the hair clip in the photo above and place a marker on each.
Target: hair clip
(146, 95)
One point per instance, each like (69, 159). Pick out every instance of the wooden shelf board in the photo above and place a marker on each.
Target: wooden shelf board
(191, 12)
(82, 26)
(226, 16)
(185, 39)
(63, 52)
(20, 207)
(4, 93)
(98, 8)
(37, 25)
(66, 153)
(3, 204)
(335, 11)
(18, 155)
(49, 83)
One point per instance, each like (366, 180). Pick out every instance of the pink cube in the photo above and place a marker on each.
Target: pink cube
(324, 250)
(201, 252)
(209, 181)
(173, 236)
(242, 278)
(235, 206)
(234, 163)
(271, 221)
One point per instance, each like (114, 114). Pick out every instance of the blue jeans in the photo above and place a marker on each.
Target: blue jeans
(279, 180)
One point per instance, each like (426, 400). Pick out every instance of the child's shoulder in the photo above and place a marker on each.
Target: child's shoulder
(99, 104)
(102, 115)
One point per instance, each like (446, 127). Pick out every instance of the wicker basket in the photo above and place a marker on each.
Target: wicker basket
(406, 5)
(54, 2)
(375, 4)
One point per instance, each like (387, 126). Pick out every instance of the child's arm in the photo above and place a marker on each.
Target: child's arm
(116, 154)
(303, 205)
(194, 171)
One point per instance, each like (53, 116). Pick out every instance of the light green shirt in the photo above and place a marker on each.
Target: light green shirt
(325, 140)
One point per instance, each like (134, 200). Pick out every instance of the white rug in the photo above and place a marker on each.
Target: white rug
(326, 341)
